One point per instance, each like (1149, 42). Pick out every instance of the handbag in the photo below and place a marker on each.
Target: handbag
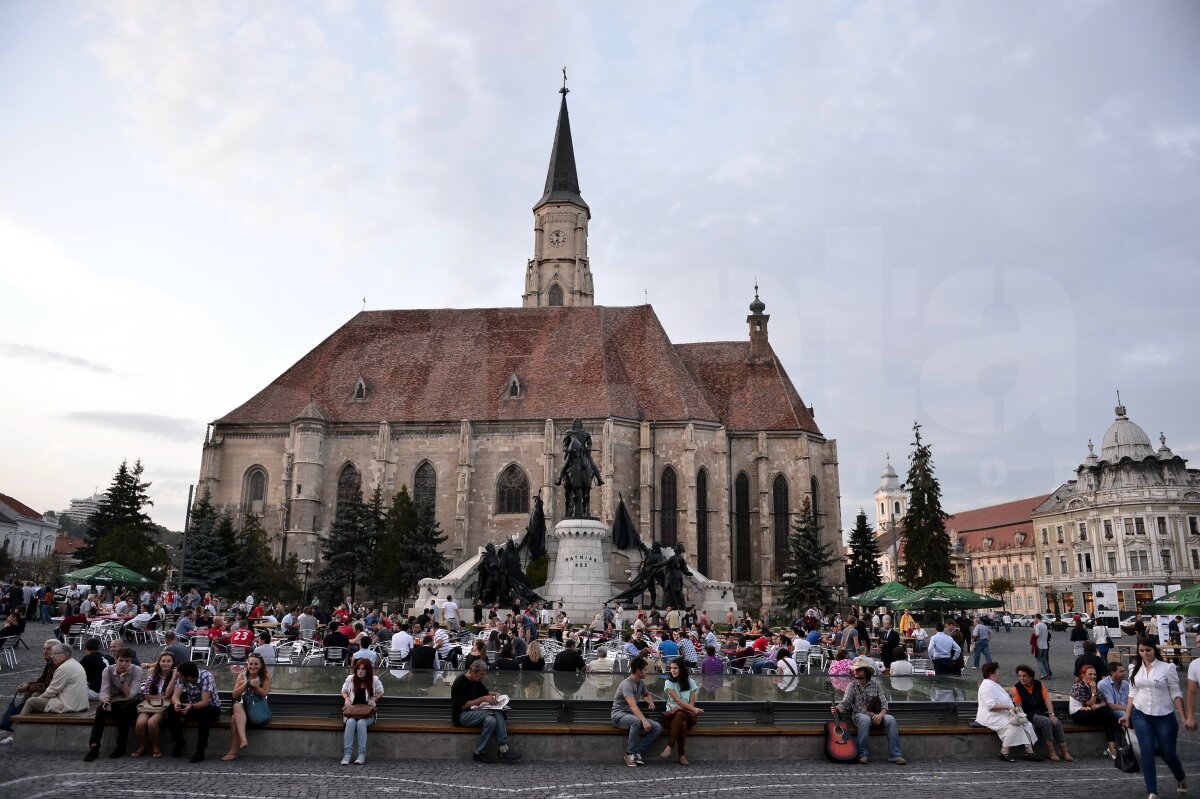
(1017, 717)
(1127, 756)
(358, 712)
(152, 706)
(258, 710)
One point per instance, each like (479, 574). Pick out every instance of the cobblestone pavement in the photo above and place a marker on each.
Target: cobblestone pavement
(32, 776)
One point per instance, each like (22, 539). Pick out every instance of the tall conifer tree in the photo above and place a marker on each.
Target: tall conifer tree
(926, 542)
(862, 567)
(347, 552)
(206, 561)
(804, 584)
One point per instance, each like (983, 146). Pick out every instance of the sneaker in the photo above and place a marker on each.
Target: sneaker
(862, 761)
(899, 761)
(484, 757)
(92, 754)
(630, 761)
(511, 756)
(362, 760)
(7, 741)
(638, 757)
(346, 760)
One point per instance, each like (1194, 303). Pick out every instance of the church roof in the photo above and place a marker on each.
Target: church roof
(747, 393)
(448, 365)
(562, 181)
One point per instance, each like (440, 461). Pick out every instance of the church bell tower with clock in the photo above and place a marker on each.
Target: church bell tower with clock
(558, 273)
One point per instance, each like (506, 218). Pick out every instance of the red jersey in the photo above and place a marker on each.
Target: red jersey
(242, 636)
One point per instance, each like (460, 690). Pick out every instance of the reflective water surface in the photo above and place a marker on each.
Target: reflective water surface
(601, 686)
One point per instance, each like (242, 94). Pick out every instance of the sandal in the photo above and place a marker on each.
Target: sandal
(138, 752)
(1007, 757)
(157, 754)
(229, 756)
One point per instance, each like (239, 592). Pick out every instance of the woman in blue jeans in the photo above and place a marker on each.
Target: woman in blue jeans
(1154, 698)
(362, 687)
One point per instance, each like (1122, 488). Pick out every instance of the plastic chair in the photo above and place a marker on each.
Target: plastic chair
(237, 653)
(8, 650)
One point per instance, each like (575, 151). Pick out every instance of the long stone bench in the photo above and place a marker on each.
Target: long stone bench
(420, 728)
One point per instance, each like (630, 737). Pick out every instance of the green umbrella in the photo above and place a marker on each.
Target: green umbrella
(874, 597)
(943, 596)
(1175, 602)
(110, 573)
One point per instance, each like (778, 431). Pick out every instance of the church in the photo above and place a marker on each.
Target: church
(708, 443)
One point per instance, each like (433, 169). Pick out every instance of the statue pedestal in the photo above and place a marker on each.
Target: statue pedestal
(580, 580)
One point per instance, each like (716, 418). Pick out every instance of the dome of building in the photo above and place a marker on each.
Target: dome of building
(889, 481)
(757, 306)
(1124, 439)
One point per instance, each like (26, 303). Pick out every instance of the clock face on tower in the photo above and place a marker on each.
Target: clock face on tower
(557, 238)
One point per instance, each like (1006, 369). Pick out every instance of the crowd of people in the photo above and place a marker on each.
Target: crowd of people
(682, 644)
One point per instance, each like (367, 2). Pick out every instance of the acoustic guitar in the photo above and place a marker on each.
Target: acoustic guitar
(840, 747)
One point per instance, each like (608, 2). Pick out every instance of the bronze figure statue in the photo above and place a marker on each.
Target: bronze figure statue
(675, 570)
(651, 575)
(578, 470)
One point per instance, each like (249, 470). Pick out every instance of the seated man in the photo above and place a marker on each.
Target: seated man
(424, 656)
(68, 620)
(335, 637)
(401, 643)
(466, 695)
(365, 652)
(865, 699)
(627, 715)
(138, 623)
(120, 691)
(1115, 689)
(569, 659)
(196, 698)
(603, 663)
(30, 689)
(901, 665)
(186, 624)
(94, 663)
(67, 691)
(172, 645)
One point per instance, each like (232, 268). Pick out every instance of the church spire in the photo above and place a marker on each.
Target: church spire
(558, 273)
(562, 180)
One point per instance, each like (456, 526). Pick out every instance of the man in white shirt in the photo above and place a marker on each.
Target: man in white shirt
(250, 602)
(943, 651)
(1043, 647)
(545, 616)
(138, 622)
(1193, 692)
(401, 643)
(450, 613)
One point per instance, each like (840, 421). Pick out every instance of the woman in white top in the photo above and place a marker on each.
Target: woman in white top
(1101, 636)
(994, 712)
(362, 687)
(1154, 697)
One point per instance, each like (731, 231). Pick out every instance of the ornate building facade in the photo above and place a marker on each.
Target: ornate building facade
(997, 542)
(709, 443)
(1131, 517)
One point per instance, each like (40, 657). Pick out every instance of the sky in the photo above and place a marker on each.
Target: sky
(981, 216)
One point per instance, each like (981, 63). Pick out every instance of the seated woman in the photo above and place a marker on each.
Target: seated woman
(1090, 709)
(362, 687)
(842, 665)
(505, 660)
(478, 652)
(156, 688)
(681, 713)
(253, 680)
(1031, 696)
(533, 660)
(995, 711)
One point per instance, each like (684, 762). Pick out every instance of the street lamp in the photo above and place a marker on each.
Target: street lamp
(1166, 561)
(307, 563)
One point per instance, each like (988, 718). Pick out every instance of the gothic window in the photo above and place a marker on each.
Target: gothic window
(556, 295)
(512, 491)
(255, 490)
(779, 523)
(702, 521)
(896, 506)
(360, 389)
(668, 508)
(741, 504)
(815, 488)
(349, 485)
(425, 485)
(514, 387)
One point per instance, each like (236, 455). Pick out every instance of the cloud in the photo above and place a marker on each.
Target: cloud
(50, 356)
(170, 428)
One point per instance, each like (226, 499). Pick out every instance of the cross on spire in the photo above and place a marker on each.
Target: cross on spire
(564, 91)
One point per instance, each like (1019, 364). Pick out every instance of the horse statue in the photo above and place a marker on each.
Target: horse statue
(578, 471)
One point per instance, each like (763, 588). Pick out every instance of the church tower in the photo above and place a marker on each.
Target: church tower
(558, 273)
